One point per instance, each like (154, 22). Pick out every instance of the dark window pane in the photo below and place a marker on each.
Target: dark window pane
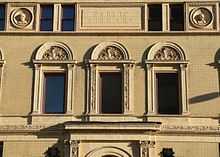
(46, 22)
(54, 93)
(47, 11)
(2, 17)
(2, 25)
(155, 17)
(68, 18)
(168, 93)
(176, 17)
(67, 25)
(1, 149)
(68, 11)
(111, 92)
(46, 25)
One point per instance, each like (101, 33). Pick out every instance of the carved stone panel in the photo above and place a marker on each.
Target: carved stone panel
(22, 17)
(167, 54)
(111, 53)
(55, 53)
(75, 148)
(201, 17)
(111, 18)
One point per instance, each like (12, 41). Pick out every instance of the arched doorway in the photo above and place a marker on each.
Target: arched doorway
(108, 152)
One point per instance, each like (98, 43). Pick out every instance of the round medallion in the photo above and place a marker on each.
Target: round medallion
(21, 18)
(201, 17)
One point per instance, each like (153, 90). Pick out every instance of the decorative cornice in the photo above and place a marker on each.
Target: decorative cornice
(26, 128)
(191, 128)
(148, 126)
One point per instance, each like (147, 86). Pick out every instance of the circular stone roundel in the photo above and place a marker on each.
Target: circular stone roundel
(21, 17)
(201, 17)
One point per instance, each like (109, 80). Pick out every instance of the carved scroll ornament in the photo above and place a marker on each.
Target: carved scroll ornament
(111, 53)
(55, 53)
(167, 54)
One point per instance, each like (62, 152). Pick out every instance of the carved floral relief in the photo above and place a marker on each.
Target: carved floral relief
(111, 53)
(55, 53)
(21, 17)
(166, 54)
(201, 17)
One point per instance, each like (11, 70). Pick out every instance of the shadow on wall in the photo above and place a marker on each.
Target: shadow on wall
(204, 97)
(216, 65)
(208, 96)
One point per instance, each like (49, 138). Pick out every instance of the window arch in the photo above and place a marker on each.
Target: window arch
(53, 63)
(166, 66)
(110, 63)
(108, 152)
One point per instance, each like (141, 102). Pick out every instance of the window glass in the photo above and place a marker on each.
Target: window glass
(68, 15)
(2, 17)
(168, 93)
(46, 21)
(111, 92)
(1, 149)
(176, 17)
(155, 17)
(54, 93)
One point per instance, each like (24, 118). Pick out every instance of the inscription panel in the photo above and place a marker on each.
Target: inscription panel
(111, 18)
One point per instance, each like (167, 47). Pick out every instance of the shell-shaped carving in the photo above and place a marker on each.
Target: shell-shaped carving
(201, 17)
(109, 50)
(167, 53)
(111, 53)
(55, 53)
(21, 17)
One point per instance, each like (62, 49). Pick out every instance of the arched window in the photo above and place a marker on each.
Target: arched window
(53, 86)
(110, 75)
(166, 67)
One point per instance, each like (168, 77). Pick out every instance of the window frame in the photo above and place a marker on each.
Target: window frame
(73, 18)
(166, 66)
(96, 66)
(99, 92)
(45, 89)
(150, 18)
(3, 18)
(46, 19)
(171, 19)
(42, 66)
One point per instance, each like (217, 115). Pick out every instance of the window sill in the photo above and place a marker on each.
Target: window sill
(52, 114)
(111, 117)
(168, 115)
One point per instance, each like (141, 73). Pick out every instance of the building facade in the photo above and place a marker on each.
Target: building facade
(97, 78)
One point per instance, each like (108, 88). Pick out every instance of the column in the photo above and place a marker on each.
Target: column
(74, 148)
(147, 149)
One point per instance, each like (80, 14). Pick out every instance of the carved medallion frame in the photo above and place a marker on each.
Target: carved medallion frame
(22, 16)
(202, 16)
(109, 57)
(53, 57)
(168, 62)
